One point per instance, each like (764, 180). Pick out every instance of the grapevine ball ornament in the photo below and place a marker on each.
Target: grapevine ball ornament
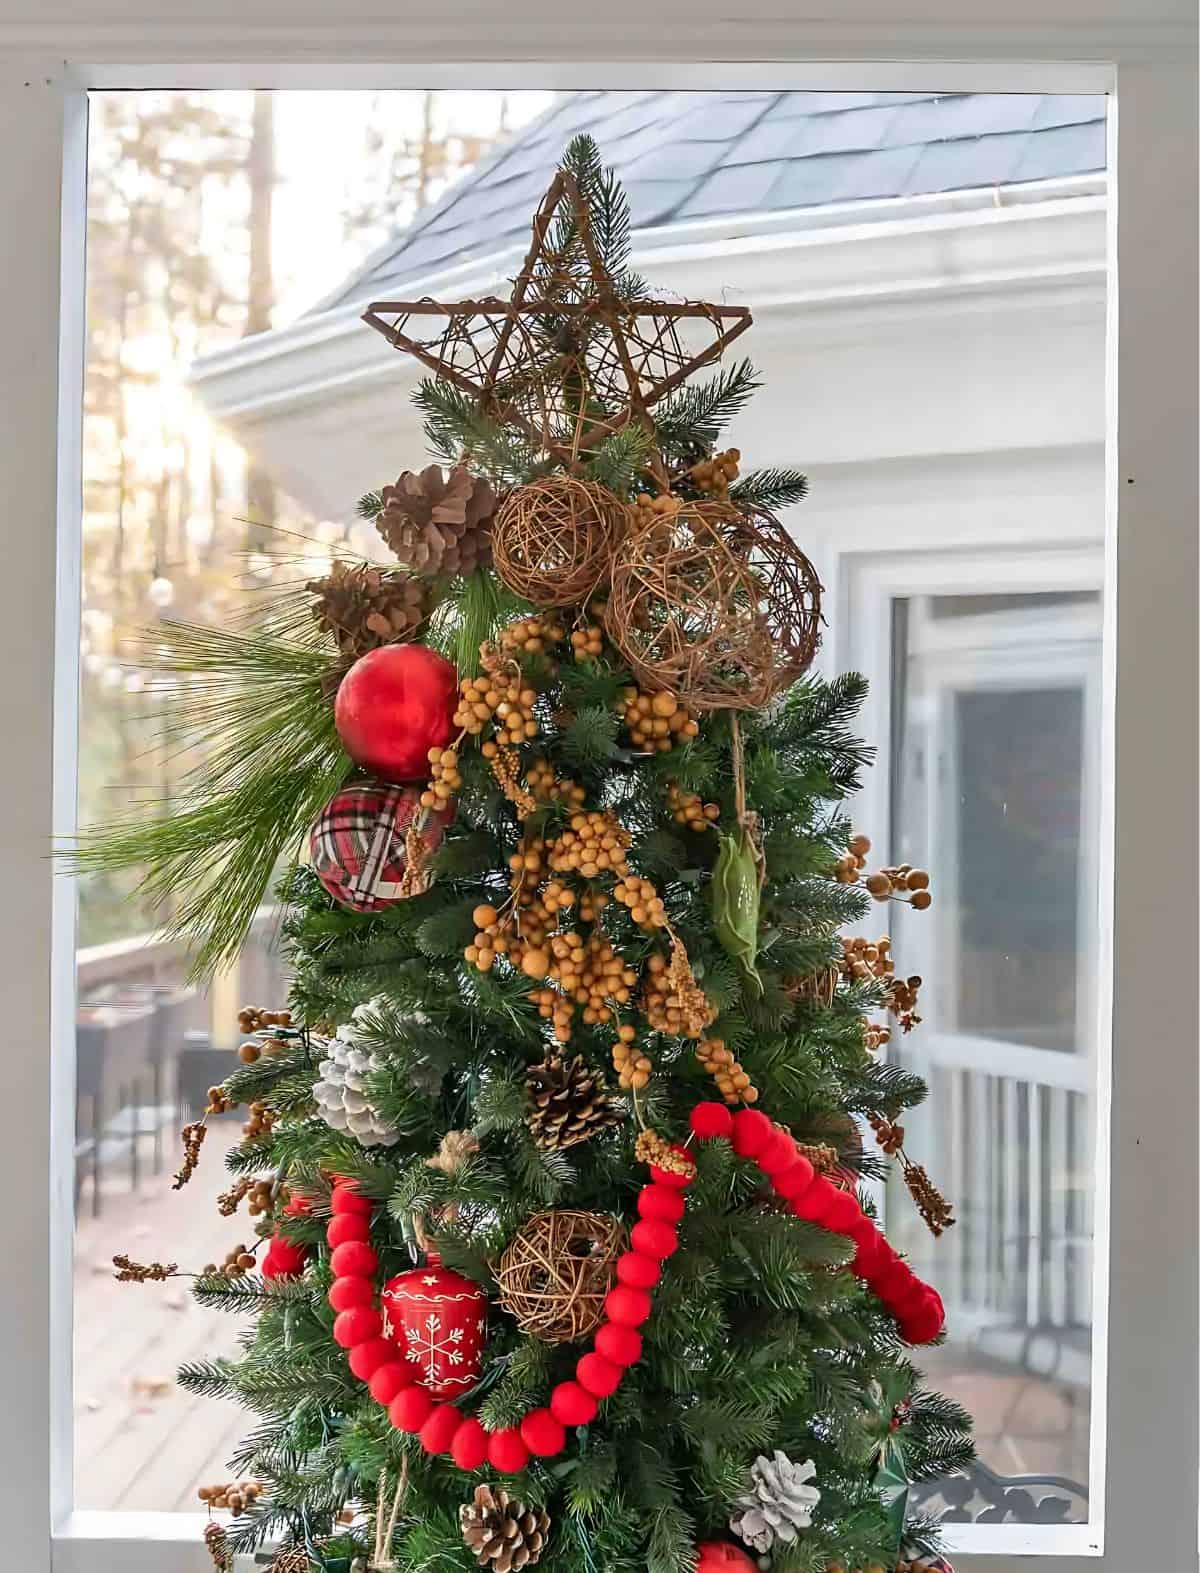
(437, 1319)
(552, 539)
(360, 844)
(713, 604)
(393, 706)
(556, 1272)
(394, 1380)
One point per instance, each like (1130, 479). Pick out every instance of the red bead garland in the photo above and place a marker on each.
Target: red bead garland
(617, 1344)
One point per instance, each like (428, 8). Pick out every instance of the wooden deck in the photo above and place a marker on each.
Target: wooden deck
(140, 1441)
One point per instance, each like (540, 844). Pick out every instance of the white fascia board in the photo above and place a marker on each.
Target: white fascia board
(827, 273)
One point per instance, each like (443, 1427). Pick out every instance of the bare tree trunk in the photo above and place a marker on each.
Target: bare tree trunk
(260, 292)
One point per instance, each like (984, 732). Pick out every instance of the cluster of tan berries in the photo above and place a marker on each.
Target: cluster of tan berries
(261, 1122)
(848, 868)
(531, 636)
(588, 642)
(712, 477)
(733, 1082)
(252, 1018)
(688, 808)
(672, 1001)
(543, 783)
(444, 778)
(865, 960)
(633, 1067)
(594, 843)
(236, 1496)
(259, 1195)
(656, 722)
(643, 900)
(237, 1264)
(888, 881)
(650, 510)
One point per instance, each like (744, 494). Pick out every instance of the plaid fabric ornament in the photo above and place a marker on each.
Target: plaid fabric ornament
(359, 845)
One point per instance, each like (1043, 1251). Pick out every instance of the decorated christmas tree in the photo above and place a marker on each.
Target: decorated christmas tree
(555, 1154)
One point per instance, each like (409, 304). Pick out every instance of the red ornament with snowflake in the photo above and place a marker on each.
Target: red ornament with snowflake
(438, 1319)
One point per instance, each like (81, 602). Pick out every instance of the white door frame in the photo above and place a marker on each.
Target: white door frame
(46, 66)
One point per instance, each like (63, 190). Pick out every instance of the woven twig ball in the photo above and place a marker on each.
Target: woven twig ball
(552, 540)
(715, 604)
(556, 1272)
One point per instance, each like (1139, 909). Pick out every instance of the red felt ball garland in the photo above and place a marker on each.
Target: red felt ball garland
(393, 1382)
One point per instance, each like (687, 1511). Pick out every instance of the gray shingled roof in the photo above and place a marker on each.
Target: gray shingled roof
(703, 155)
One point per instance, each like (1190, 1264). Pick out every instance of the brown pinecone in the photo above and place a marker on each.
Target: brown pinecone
(438, 523)
(364, 607)
(568, 1103)
(293, 1560)
(218, 1550)
(502, 1533)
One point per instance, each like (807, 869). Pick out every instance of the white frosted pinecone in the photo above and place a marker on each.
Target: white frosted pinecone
(778, 1504)
(340, 1093)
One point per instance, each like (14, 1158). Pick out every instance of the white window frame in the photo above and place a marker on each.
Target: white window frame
(46, 69)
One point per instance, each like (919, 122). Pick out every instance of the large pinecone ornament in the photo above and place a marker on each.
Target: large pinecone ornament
(502, 1533)
(778, 1504)
(339, 1092)
(438, 523)
(364, 607)
(568, 1103)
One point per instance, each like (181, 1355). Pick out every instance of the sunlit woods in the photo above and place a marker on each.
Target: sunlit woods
(200, 231)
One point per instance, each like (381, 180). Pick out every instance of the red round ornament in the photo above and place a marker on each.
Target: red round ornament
(629, 1307)
(284, 1259)
(573, 1405)
(347, 1226)
(390, 1380)
(441, 1428)
(358, 1326)
(618, 1343)
(393, 706)
(358, 848)
(542, 1433)
(598, 1376)
(673, 1179)
(922, 1324)
(638, 1272)
(651, 1238)
(346, 1293)
(437, 1318)
(712, 1120)
(778, 1154)
(752, 1130)
(411, 1409)
(718, 1556)
(794, 1180)
(347, 1200)
(657, 1201)
(507, 1452)
(355, 1259)
(469, 1449)
(365, 1359)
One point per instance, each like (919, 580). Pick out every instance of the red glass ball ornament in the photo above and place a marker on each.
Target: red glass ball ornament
(391, 1379)
(543, 1433)
(752, 1130)
(638, 1272)
(507, 1452)
(651, 1238)
(358, 1326)
(393, 706)
(347, 1226)
(346, 1293)
(718, 1556)
(571, 1404)
(469, 1449)
(358, 845)
(711, 1120)
(365, 1359)
(440, 1429)
(657, 1201)
(598, 1376)
(437, 1319)
(619, 1344)
(629, 1307)
(411, 1410)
